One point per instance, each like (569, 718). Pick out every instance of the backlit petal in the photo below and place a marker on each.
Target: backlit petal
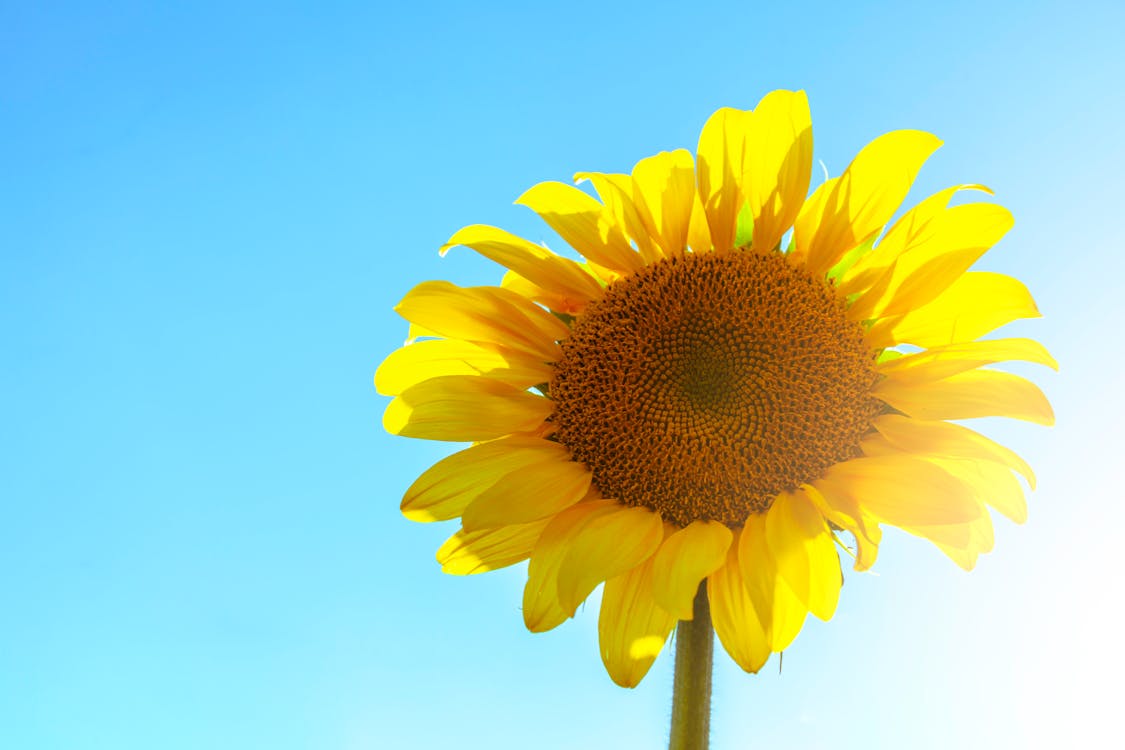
(903, 235)
(484, 314)
(777, 605)
(720, 157)
(686, 557)
(904, 490)
(802, 548)
(840, 506)
(941, 253)
(606, 547)
(446, 488)
(469, 552)
(777, 164)
(734, 616)
(583, 223)
(664, 193)
(865, 196)
(632, 629)
(940, 362)
(528, 494)
(422, 360)
(464, 408)
(950, 440)
(541, 609)
(616, 192)
(537, 264)
(973, 305)
(978, 393)
(992, 483)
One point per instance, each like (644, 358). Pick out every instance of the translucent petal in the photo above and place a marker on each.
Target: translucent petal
(804, 552)
(777, 164)
(583, 223)
(484, 314)
(537, 264)
(464, 408)
(734, 616)
(528, 494)
(541, 609)
(664, 194)
(973, 305)
(900, 237)
(978, 393)
(422, 360)
(864, 198)
(943, 361)
(686, 557)
(446, 488)
(947, 246)
(950, 440)
(905, 491)
(777, 605)
(470, 552)
(632, 628)
(606, 547)
(720, 157)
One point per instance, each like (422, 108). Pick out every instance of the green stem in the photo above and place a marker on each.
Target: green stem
(691, 687)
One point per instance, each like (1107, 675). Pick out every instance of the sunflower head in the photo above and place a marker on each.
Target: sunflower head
(735, 372)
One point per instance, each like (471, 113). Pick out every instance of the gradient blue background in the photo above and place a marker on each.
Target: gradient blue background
(206, 215)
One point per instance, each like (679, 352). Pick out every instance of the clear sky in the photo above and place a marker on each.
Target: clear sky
(206, 215)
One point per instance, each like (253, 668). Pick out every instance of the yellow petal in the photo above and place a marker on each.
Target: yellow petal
(423, 360)
(664, 194)
(777, 164)
(903, 235)
(903, 490)
(632, 629)
(446, 488)
(606, 547)
(973, 305)
(699, 234)
(943, 361)
(686, 557)
(992, 483)
(469, 552)
(537, 264)
(484, 314)
(541, 609)
(616, 192)
(777, 606)
(809, 219)
(583, 223)
(464, 408)
(864, 197)
(720, 155)
(949, 440)
(839, 506)
(734, 617)
(528, 494)
(801, 545)
(979, 540)
(941, 253)
(513, 282)
(978, 393)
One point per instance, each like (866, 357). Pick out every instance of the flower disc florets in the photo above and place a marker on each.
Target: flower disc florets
(706, 384)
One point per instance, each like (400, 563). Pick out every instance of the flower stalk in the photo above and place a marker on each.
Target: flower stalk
(691, 687)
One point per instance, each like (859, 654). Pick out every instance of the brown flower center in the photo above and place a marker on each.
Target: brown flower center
(703, 386)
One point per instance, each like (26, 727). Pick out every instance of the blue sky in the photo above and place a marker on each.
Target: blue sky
(206, 215)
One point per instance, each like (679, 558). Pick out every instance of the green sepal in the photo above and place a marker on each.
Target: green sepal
(744, 228)
(850, 259)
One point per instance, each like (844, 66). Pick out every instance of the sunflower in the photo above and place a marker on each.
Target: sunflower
(708, 400)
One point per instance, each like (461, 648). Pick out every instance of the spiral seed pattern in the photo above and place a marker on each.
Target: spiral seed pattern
(704, 385)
